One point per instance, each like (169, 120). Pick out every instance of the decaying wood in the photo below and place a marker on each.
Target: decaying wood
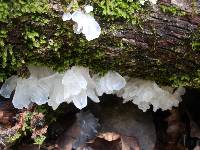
(158, 48)
(161, 48)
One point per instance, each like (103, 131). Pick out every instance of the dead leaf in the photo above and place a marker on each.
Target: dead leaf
(109, 136)
(129, 143)
(7, 113)
(28, 147)
(197, 148)
(112, 141)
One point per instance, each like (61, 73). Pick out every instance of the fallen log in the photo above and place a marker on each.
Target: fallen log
(157, 42)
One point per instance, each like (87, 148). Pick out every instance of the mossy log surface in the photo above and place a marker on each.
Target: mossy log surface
(160, 42)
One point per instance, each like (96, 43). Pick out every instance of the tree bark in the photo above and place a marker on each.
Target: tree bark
(164, 47)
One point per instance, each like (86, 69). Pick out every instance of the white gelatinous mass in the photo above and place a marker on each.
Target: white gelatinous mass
(80, 100)
(74, 82)
(153, 1)
(91, 86)
(8, 86)
(56, 94)
(88, 8)
(33, 89)
(110, 83)
(143, 1)
(84, 23)
(78, 85)
(144, 93)
(66, 16)
(24, 92)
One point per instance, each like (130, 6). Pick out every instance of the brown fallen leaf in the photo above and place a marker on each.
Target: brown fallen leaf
(7, 113)
(170, 130)
(125, 119)
(102, 144)
(197, 148)
(29, 147)
(129, 143)
(80, 132)
(175, 127)
(109, 136)
(195, 130)
(66, 140)
(112, 141)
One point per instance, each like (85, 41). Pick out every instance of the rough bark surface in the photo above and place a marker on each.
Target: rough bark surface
(163, 46)
(161, 49)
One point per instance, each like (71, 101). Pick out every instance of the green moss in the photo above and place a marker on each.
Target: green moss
(192, 80)
(40, 20)
(4, 11)
(34, 39)
(5, 53)
(196, 45)
(195, 41)
(21, 7)
(39, 140)
(56, 45)
(173, 10)
(15, 137)
(15, 15)
(16, 8)
(128, 10)
(26, 128)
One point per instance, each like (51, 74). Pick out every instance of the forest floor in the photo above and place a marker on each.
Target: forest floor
(110, 125)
